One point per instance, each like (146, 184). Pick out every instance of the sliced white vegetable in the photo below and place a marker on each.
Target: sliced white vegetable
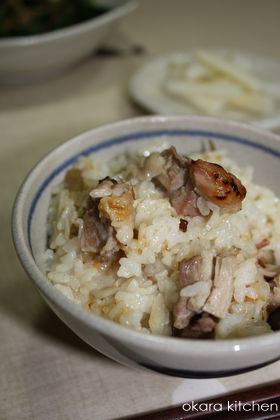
(218, 64)
(253, 102)
(217, 88)
(197, 72)
(206, 104)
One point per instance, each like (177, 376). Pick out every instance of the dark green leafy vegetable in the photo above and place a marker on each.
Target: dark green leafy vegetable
(30, 17)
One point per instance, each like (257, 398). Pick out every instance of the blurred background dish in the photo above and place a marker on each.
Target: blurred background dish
(221, 83)
(37, 42)
(29, 17)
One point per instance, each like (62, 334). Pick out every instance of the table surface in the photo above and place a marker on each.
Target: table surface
(46, 371)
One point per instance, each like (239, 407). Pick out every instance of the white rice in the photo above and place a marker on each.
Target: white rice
(141, 293)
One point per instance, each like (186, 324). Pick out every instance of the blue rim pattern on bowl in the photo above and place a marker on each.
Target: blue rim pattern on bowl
(136, 137)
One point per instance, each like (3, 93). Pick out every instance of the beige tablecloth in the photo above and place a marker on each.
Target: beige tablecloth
(46, 372)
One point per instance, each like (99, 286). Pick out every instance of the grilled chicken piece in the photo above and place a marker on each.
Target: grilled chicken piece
(175, 170)
(217, 185)
(118, 208)
(190, 270)
(181, 313)
(205, 324)
(200, 326)
(211, 298)
(98, 237)
(108, 220)
(184, 202)
(95, 231)
(193, 270)
(111, 252)
(219, 300)
(184, 180)
(116, 205)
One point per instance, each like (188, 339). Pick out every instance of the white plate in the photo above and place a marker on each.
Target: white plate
(145, 88)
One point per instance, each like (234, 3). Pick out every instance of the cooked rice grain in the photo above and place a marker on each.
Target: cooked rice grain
(142, 291)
